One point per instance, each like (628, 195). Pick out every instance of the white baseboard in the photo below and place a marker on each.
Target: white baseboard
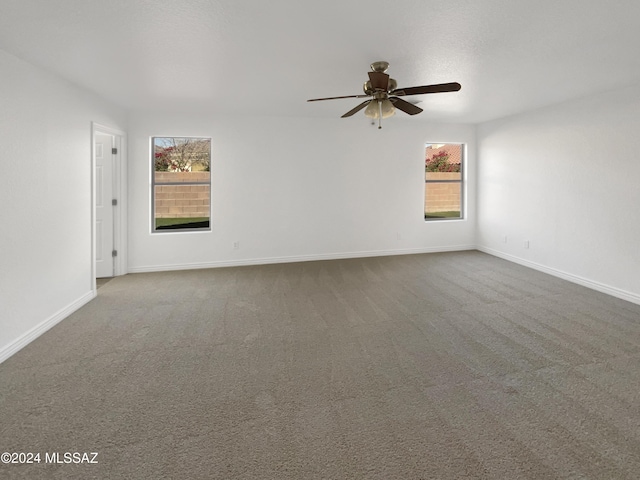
(585, 282)
(299, 258)
(30, 335)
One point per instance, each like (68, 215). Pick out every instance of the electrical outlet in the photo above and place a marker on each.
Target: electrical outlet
(504, 239)
(236, 245)
(526, 244)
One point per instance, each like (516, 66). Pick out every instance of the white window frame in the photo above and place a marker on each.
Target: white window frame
(155, 230)
(461, 181)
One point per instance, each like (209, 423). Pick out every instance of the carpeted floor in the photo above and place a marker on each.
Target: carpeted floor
(438, 366)
(101, 282)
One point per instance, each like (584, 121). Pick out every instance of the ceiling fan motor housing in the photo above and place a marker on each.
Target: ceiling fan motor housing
(368, 89)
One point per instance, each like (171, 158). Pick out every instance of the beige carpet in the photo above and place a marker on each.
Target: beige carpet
(438, 366)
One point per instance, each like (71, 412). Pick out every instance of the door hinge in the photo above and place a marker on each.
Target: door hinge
(114, 202)
(114, 151)
(114, 253)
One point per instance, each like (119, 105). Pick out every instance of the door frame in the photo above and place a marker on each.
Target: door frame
(119, 192)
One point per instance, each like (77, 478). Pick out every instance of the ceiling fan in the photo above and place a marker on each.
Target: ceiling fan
(384, 93)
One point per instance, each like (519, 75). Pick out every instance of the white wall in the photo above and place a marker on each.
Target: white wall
(45, 198)
(298, 189)
(566, 178)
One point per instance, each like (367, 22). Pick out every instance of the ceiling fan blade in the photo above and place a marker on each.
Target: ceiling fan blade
(439, 88)
(335, 98)
(405, 106)
(379, 80)
(356, 109)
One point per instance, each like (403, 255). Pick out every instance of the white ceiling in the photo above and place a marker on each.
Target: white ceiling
(268, 56)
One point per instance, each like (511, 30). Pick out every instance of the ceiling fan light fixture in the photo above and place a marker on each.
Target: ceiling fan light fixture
(373, 109)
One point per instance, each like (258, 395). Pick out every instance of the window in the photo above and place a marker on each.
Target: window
(181, 183)
(443, 191)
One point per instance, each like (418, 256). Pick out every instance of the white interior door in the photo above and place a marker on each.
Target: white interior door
(104, 208)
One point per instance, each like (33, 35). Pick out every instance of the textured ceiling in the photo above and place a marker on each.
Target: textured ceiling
(268, 57)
